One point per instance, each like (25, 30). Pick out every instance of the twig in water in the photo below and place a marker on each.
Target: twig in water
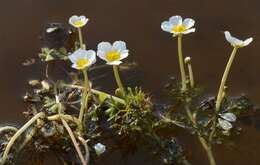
(18, 134)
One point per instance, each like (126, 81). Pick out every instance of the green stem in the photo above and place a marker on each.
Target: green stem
(65, 117)
(74, 141)
(71, 134)
(29, 136)
(208, 149)
(183, 75)
(192, 83)
(85, 144)
(118, 80)
(84, 100)
(18, 134)
(97, 92)
(117, 99)
(206, 146)
(224, 79)
(6, 128)
(80, 38)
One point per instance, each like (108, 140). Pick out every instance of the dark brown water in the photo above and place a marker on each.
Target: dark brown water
(138, 23)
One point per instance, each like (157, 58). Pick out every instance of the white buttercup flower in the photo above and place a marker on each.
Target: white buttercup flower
(78, 21)
(235, 42)
(176, 26)
(112, 54)
(82, 58)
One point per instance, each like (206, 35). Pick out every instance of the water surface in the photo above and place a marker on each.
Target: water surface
(138, 23)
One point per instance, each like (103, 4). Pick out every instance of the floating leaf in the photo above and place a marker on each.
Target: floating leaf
(224, 124)
(228, 116)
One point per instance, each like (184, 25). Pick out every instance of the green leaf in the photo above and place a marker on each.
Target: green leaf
(102, 97)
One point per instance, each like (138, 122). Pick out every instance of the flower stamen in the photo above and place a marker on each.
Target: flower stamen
(78, 23)
(113, 56)
(81, 63)
(179, 29)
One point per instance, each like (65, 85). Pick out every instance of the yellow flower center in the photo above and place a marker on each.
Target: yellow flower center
(178, 29)
(81, 63)
(78, 23)
(112, 56)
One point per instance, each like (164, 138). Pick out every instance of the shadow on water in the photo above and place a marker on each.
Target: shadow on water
(138, 23)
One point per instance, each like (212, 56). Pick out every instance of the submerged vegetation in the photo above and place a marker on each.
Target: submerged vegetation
(75, 119)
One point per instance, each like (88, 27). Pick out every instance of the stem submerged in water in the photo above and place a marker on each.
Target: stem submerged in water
(18, 134)
(205, 145)
(183, 75)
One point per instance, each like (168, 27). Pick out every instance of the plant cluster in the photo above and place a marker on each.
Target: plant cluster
(72, 117)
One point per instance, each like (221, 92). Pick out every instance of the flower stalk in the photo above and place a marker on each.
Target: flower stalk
(118, 80)
(84, 100)
(191, 77)
(182, 70)
(207, 146)
(224, 79)
(80, 38)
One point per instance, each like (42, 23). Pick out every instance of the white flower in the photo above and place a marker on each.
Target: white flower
(112, 54)
(99, 148)
(78, 21)
(176, 26)
(237, 42)
(82, 58)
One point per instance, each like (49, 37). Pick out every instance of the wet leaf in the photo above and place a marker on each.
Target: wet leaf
(228, 116)
(224, 124)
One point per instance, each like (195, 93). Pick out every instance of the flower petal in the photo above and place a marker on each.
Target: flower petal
(78, 54)
(101, 54)
(188, 23)
(224, 124)
(233, 40)
(104, 46)
(72, 19)
(176, 20)
(166, 26)
(189, 31)
(91, 56)
(74, 66)
(114, 63)
(247, 41)
(119, 45)
(124, 54)
(229, 116)
(73, 58)
(228, 36)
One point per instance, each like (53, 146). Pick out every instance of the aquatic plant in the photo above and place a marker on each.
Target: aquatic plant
(207, 125)
(177, 27)
(113, 54)
(75, 119)
(68, 116)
